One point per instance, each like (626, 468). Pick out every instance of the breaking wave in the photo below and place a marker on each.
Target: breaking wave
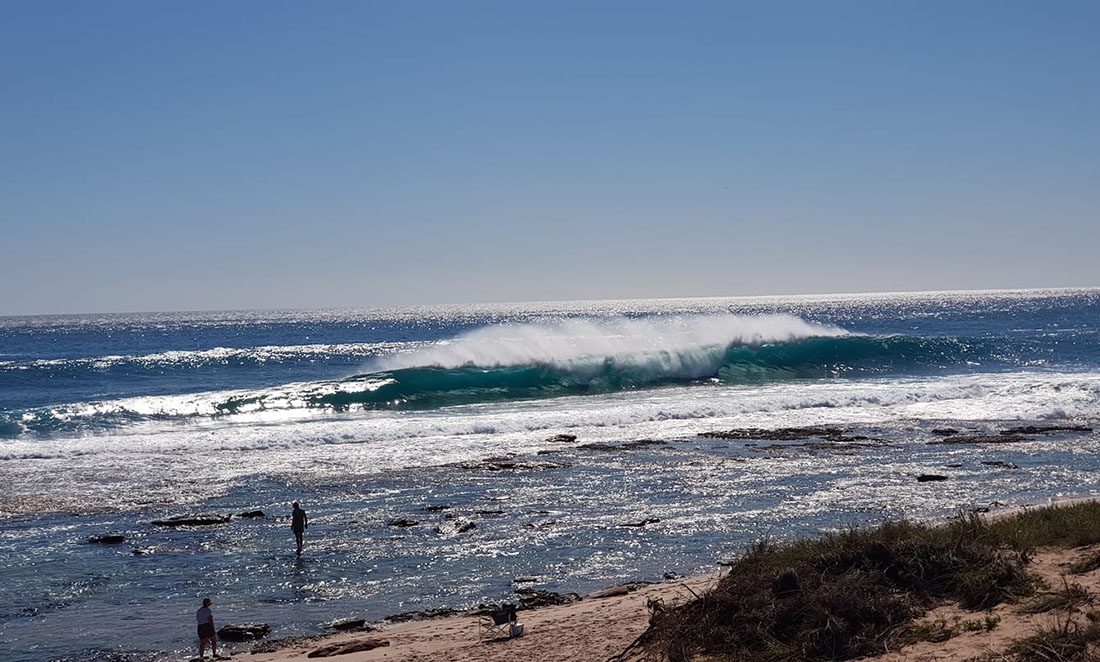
(521, 362)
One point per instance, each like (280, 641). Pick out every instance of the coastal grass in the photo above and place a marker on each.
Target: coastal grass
(1064, 640)
(845, 595)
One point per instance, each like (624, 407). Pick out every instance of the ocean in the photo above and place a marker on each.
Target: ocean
(572, 436)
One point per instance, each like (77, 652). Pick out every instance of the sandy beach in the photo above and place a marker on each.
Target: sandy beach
(593, 629)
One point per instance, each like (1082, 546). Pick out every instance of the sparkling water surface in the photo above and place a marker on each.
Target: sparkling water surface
(109, 422)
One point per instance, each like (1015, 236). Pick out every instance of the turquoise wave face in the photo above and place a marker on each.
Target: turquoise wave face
(812, 358)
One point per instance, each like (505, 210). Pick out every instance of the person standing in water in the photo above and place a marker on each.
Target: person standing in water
(205, 617)
(298, 524)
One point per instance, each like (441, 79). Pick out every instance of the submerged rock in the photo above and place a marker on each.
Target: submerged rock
(107, 540)
(243, 631)
(252, 514)
(981, 439)
(508, 464)
(645, 522)
(563, 438)
(1002, 465)
(403, 523)
(628, 446)
(930, 478)
(192, 520)
(455, 527)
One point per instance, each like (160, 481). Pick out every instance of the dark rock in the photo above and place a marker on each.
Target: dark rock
(785, 434)
(534, 598)
(276, 645)
(672, 576)
(981, 439)
(1046, 429)
(490, 512)
(548, 452)
(403, 523)
(563, 438)
(930, 478)
(346, 647)
(956, 465)
(106, 540)
(252, 514)
(507, 464)
(454, 527)
(945, 432)
(541, 525)
(192, 520)
(243, 631)
(424, 614)
(348, 624)
(1003, 465)
(436, 509)
(646, 521)
(628, 446)
(525, 580)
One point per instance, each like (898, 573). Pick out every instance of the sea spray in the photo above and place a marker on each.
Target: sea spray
(685, 343)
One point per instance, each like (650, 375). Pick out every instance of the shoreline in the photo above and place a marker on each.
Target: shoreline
(599, 626)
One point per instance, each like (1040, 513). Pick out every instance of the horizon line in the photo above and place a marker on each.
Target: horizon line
(744, 297)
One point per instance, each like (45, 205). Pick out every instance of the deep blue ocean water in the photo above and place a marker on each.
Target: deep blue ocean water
(446, 415)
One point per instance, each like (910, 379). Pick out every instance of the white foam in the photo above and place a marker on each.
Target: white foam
(685, 342)
(159, 460)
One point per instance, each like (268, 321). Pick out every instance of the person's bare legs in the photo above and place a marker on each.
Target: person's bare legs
(298, 539)
(202, 647)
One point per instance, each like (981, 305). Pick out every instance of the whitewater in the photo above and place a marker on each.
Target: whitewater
(547, 425)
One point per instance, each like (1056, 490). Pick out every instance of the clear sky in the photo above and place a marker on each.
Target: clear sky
(207, 155)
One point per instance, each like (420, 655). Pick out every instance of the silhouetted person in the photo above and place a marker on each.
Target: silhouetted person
(298, 524)
(205, 617)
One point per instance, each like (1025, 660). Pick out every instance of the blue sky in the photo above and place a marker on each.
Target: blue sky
(207, 155)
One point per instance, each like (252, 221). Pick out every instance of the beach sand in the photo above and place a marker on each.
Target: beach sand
(590, 630)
